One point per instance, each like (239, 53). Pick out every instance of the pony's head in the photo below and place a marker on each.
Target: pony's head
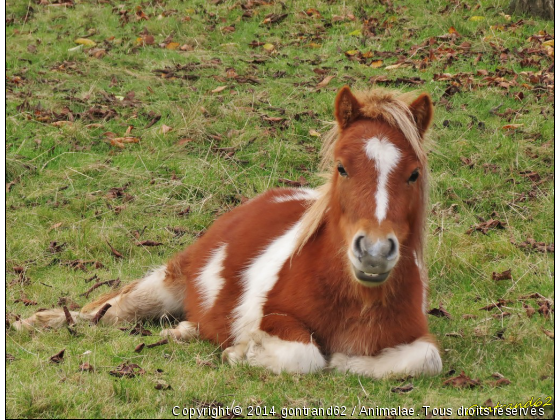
(376, 194)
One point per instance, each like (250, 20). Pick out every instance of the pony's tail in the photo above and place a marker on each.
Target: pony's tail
(157, 295)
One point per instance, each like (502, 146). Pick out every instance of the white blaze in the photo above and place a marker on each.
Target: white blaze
(386, 157)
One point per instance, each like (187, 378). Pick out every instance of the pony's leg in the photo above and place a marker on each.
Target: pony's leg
(183, 332)
(282, 344)
(419, 357)
(157, 295)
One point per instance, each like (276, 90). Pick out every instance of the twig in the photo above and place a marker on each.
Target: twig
(112, 283)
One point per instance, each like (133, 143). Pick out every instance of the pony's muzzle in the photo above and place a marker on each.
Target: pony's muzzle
(375, 257)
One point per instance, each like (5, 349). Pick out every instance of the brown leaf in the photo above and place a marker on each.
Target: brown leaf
(529, 310)
(26, 302)
(531, 244)
(139, 330)
(500, 382)
(69, 320)
(126, 370)
(219, 89)
(139, 348)
(100, 313)
(159, 343)
(55, 247)
(86, 367)
(439, 312)
(498, 304)
(325, 81)
(58, 357)
(512, 126)
(165, 129)
(484, 227)
(114, 251)
(9, 357)
(162, 385)
(504, 275)
(462, 381)
(149, 243)
(299, 183)
(403, 389)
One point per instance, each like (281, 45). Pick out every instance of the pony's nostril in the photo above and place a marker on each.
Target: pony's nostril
(393, 248)
(359, 246)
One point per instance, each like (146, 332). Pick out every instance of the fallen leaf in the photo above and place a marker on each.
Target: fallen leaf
(139, 330)
(439, 312)
(126, 370)
(86, 367)
(172, 46)
(268, 47)
(162, 385)
(139, 348)
(165, 129)
(403, 389)
(159, 343)
(58, 357)
(498, 304)
(325, 81)
(376, 64)
(85, 42)
(529, 310)
(149, 243)
(100, 313)
(462, 381)
(500, 382)
(114, 251)
(314, 133)
(512, 126)
(476, 18)
(504, 275)
(219, 89)
(484, 227)
(301, 182)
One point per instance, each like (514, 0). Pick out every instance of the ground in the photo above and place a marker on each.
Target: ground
(131, 126)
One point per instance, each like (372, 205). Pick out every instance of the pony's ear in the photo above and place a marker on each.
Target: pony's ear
(422, 111)
(346, 107)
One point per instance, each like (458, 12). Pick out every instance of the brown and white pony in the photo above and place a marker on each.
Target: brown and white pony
(299, 280)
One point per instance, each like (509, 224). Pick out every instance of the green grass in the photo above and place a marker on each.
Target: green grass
(60, 177)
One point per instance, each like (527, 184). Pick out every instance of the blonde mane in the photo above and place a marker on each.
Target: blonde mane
(390, 106)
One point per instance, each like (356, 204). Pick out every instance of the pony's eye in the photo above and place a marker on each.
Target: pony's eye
(414, 176)
(341, 170)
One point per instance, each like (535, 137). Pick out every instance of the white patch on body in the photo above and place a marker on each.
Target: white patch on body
(277, 355)
(304, 194)
(386, 157)
(258, 279)
(418, 357)
(209, 279)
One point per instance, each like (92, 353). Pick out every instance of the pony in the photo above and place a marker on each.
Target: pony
(300, 280)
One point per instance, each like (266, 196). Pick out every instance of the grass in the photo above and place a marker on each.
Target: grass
(229, 145)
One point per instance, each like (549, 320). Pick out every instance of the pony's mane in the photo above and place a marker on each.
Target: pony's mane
(387, 105)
